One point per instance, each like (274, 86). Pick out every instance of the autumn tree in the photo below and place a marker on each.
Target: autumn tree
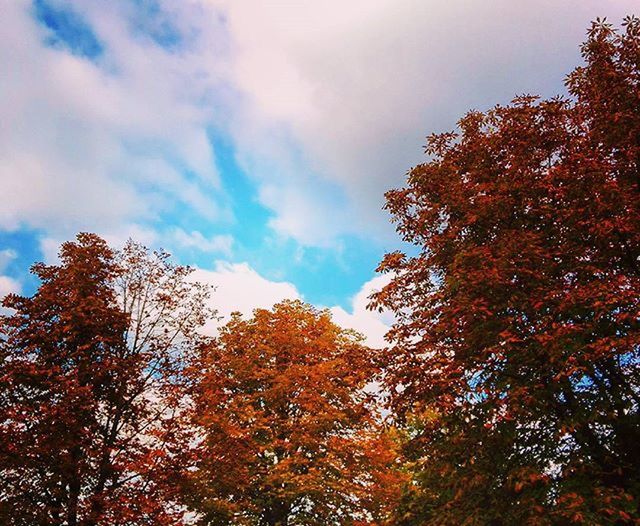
(90, 388)
(514, 361)
(287, 427)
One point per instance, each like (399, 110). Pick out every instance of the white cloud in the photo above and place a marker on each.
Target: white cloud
(49, 248)
(347, 91)
(374, 325)
(116, 237)
(97, 145)
(327, 103)
(240, 288)
(8, 286)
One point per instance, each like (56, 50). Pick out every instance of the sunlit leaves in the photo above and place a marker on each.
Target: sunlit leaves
(288, 429)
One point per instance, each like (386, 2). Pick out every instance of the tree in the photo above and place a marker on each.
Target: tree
(514, 361)
(90, 388)
(287, 428)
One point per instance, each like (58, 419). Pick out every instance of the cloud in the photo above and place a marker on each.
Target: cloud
(326, 103)
(196, 240)
(240, 288)
(374, 325)
(347, 91)
(98, 143)
(8, 285)
(6, 257)
(116, 237)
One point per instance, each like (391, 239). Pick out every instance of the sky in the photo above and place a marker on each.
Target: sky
(253, 140)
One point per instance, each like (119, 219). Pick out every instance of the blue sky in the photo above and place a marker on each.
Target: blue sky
(253, 140)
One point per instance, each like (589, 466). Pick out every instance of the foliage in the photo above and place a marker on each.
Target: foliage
(515, 356)
(289, 436)
(90, 388)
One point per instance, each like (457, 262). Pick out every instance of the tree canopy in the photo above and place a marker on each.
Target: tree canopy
(90, 390)
(288, 431)
(515, 357)
(509, 392)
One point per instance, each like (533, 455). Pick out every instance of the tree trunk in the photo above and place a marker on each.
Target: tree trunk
(74, 487)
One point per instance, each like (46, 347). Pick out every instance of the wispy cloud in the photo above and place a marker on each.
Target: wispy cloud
(107, 109)
(8, 284)
(196, 240)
